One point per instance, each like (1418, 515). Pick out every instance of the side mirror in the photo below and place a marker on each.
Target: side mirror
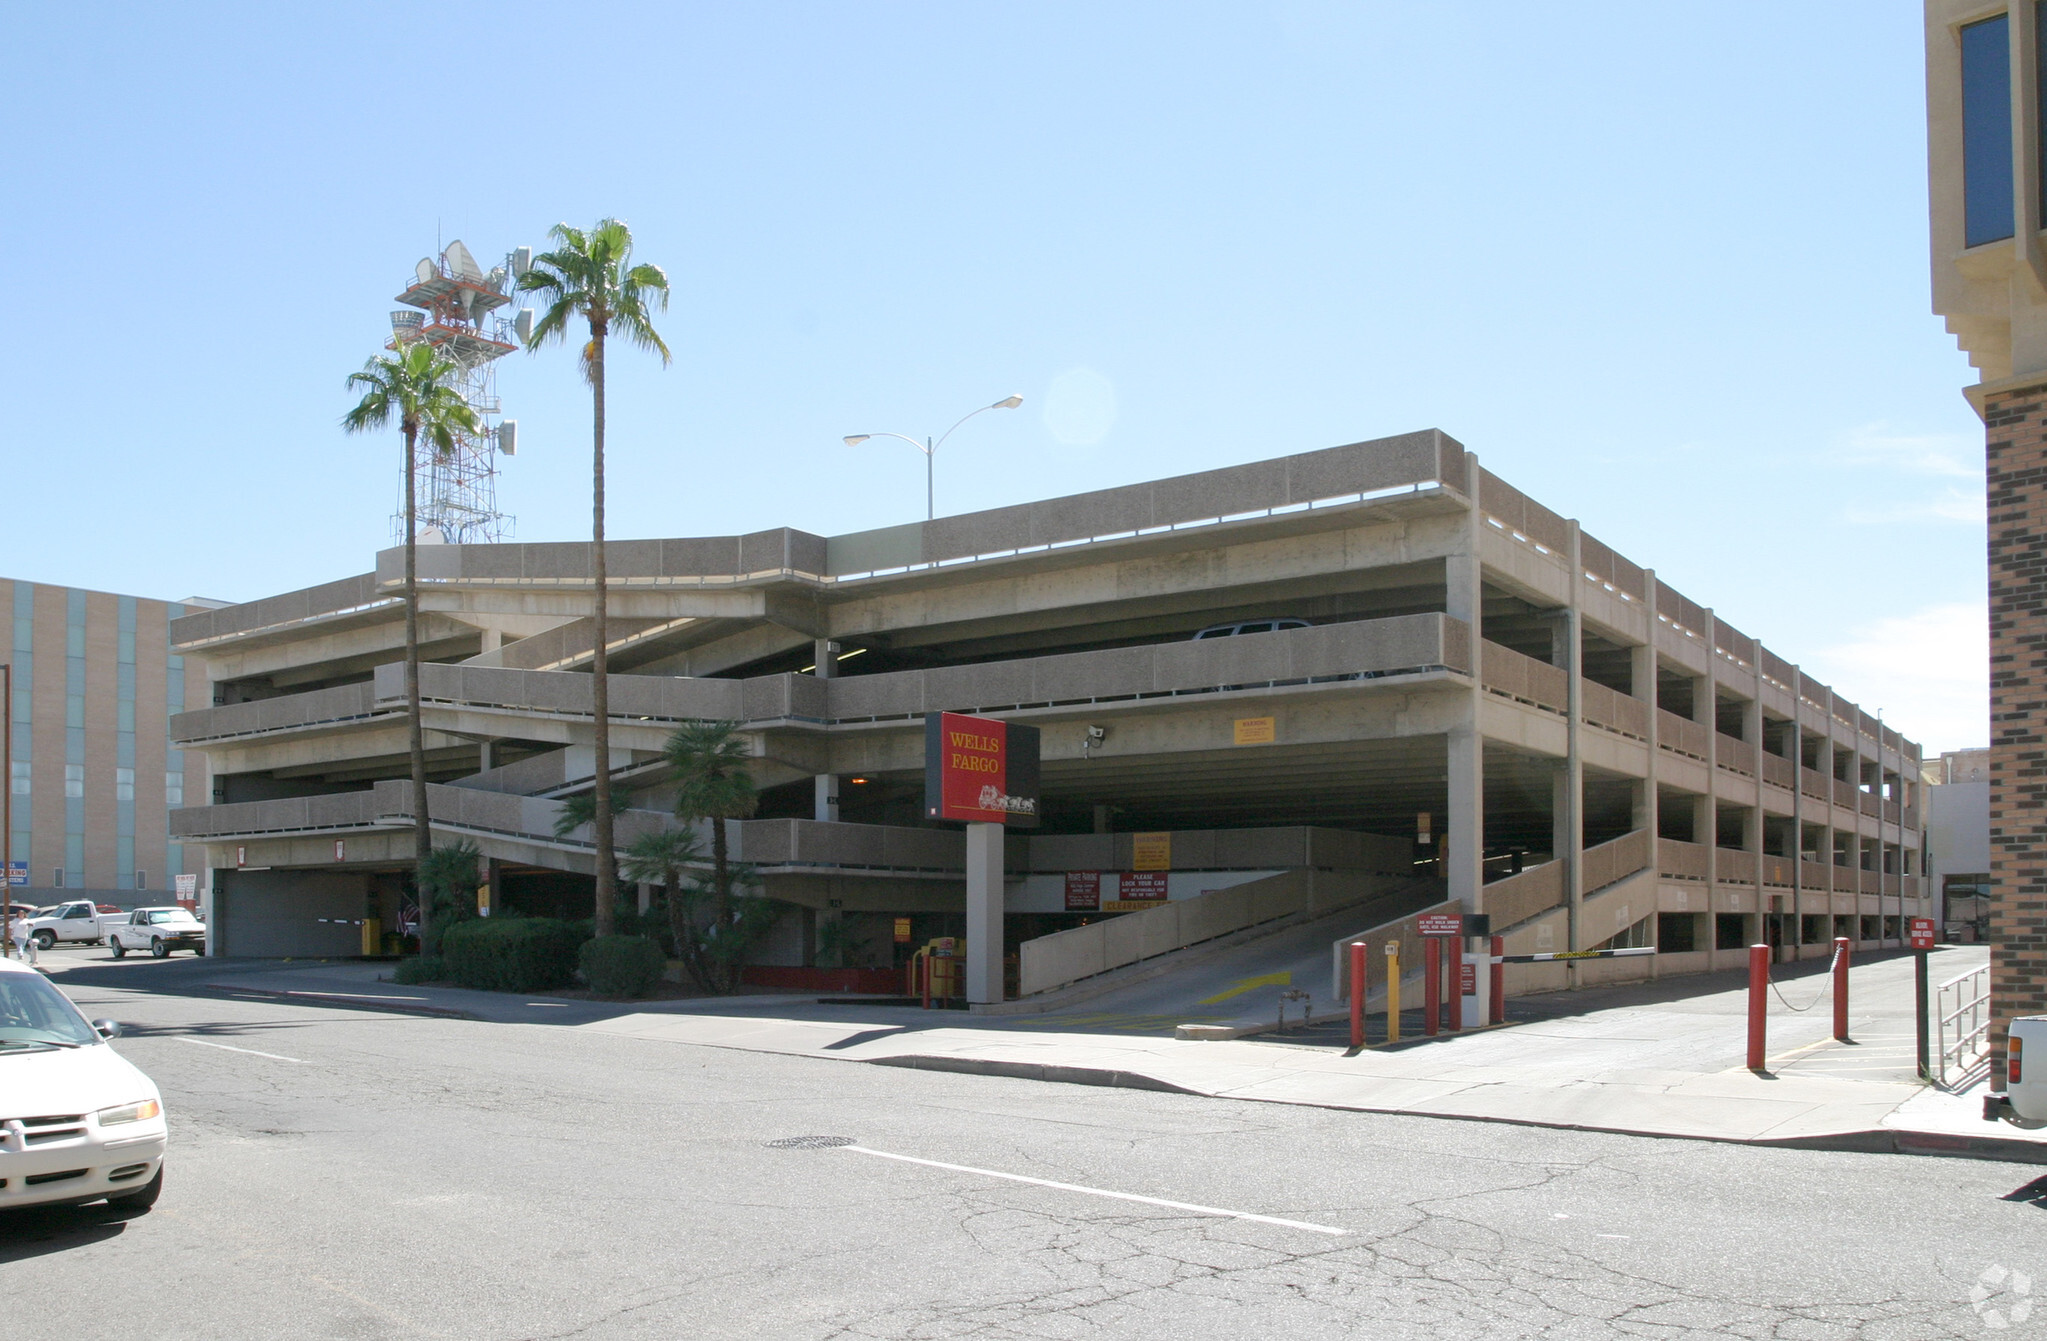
(107, 1028)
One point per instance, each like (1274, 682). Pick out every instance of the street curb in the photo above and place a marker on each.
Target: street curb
(1060, 1075)
(1870, 1141)
(348, 1002)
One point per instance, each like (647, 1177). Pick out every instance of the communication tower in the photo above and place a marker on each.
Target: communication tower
(455, 300)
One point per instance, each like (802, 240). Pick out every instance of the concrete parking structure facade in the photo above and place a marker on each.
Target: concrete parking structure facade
(1600, 760)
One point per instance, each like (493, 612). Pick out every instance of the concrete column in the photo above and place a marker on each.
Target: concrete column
(825, 796)
(828, 917)
(1642, 669)
(1572, 634)
(486, 756)
(493, 639)
(1465, 823)
(984, 913)
(824, 653)
(1101, 819)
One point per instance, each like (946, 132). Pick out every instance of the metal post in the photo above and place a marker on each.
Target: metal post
(1919, 1016)
(1393, 991)
(1432, 985)
(1841, 985)
(1758, 999)
(1357, 994)
(1455, 973)
(1497, 1006)
(930, 490)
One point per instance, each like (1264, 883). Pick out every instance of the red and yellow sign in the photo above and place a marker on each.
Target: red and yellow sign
(980, 770)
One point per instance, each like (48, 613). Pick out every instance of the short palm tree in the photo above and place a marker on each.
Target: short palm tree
(707, 763)
(659, 858)
(591, 275)
(414, 384)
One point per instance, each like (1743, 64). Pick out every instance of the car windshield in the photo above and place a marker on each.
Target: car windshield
(34, 1015)
(162, 915)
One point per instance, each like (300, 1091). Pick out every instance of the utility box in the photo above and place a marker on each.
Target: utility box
(2025, 1063)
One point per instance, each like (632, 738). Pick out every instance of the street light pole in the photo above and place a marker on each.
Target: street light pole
(930, 448)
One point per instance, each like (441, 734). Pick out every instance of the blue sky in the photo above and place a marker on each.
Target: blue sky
(1662, 267)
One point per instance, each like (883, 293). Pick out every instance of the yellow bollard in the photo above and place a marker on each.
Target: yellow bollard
(1393, 991)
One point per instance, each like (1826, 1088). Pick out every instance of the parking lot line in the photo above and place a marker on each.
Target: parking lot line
(1101, 1192)
(228, 1047)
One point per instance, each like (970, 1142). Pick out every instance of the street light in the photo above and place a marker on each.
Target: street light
(930, 448)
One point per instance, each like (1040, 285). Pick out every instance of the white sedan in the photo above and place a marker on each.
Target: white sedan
(159, 931)
(78, 1122)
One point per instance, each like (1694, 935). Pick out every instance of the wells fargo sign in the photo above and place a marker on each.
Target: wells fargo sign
(980, 769)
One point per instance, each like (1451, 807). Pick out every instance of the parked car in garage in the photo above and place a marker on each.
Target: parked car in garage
(159, 931)
(78, 1121)
(1235, 627)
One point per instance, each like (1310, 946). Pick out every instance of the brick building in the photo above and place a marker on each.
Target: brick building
(1988, 198)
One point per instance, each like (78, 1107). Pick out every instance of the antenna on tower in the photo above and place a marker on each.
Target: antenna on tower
(455, 301)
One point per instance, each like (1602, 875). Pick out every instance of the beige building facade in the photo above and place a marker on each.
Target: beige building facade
(93, 777)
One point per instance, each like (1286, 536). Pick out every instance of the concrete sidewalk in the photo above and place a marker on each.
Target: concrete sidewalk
(1656, 1059)
(1662, 1058)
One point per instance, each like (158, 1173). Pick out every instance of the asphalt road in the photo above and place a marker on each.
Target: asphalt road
(345, 1173)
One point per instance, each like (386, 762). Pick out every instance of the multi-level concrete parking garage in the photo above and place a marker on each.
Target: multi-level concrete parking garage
(1596, 759)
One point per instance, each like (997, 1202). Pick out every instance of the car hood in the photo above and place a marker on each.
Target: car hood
(68, 1080)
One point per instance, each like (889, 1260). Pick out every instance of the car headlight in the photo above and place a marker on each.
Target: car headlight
(148, 1108)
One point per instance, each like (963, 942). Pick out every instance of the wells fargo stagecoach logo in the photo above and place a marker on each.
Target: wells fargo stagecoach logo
(993, 799)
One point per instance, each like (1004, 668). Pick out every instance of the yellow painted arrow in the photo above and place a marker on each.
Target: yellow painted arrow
(1244, 985)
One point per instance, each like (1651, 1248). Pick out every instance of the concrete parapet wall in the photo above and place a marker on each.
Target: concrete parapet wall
(1068, 956)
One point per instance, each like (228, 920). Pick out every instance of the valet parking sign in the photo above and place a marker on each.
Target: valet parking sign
(979, 769)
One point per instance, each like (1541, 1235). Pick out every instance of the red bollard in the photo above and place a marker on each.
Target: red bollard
(1841, 988)
(1455, 973)
(1497, 1008)
(1357, 994)
(1432, 986)
(1758, 998)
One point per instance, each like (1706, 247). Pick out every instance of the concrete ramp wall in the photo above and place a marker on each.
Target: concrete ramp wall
(1068, 956)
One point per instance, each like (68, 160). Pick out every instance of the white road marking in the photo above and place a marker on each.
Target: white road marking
(226, 1047)
(1102, 1192)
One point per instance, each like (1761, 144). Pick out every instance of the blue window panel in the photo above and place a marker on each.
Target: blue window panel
(124, 741)
(74, 745)
(74, 855)
(124, 681)
(74, 624)
(124, 860)
(1986, 131)
(124, 716)
(74, 712)
(24, 616)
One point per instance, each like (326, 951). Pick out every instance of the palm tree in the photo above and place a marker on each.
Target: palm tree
(591, 275)
(707, 764)
(658, 858)
(413, 384)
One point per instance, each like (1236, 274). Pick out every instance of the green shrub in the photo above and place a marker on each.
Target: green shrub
(622, 965)
(511, 954)
(419, 969)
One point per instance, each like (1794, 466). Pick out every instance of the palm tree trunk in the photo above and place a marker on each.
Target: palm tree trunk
(422, 831)
(600, 690)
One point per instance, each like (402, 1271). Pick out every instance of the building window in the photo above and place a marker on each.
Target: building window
(142, 880)
(124, 784)
(21, 771)
(74, 780)
(174, 789)
(1986, 131)
(57, 877)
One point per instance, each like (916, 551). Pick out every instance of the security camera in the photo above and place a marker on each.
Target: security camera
(1097, 734)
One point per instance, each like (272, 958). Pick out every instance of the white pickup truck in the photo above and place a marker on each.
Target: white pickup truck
(80, 920)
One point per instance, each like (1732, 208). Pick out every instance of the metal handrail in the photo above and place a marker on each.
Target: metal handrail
(1971, 993)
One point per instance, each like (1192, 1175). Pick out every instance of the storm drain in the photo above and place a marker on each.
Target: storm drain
(809, 1142)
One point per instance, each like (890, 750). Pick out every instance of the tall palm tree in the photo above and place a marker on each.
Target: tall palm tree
(707, 764)
(592, 276)
(414, 385)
